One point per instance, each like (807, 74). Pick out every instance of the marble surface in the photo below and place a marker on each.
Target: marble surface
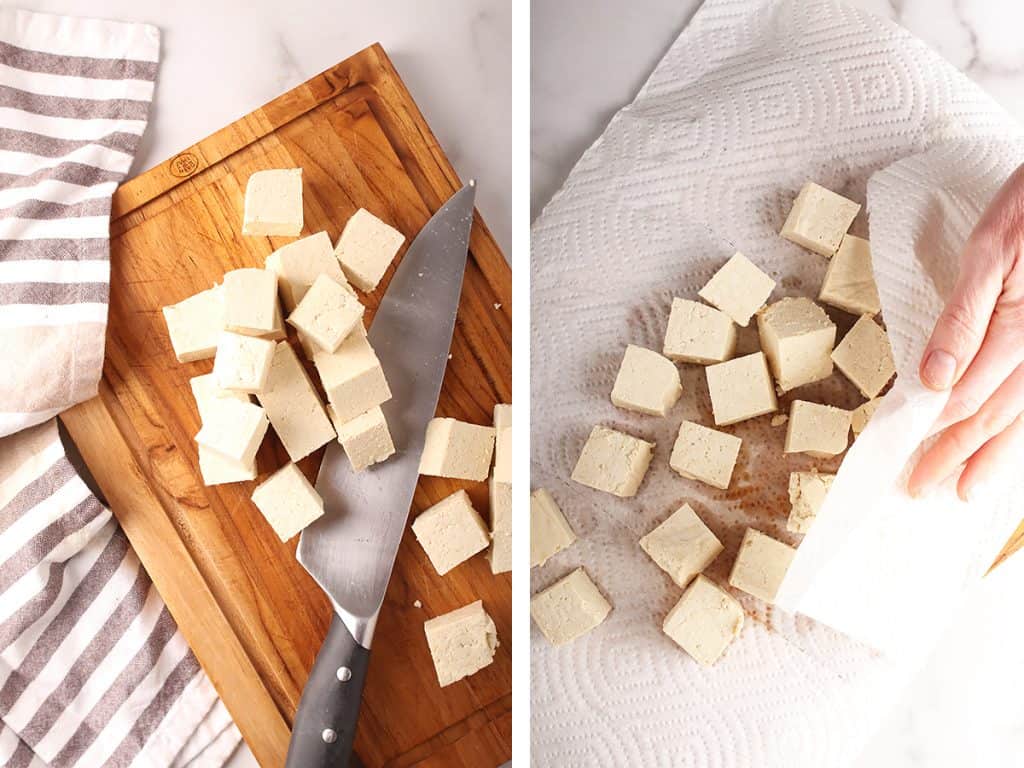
(589, 59)
(222, 59)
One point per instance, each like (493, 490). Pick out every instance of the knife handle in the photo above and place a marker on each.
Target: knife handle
(325, 724)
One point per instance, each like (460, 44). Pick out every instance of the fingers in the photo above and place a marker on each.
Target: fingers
(1001, 352)
(1005, 449)
(962, 325)
(966, 438)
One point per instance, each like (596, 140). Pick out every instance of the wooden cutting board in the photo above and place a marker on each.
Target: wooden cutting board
(253, 616)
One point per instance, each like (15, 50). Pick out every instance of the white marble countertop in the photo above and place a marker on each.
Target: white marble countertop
(222, 59)
(590, 57)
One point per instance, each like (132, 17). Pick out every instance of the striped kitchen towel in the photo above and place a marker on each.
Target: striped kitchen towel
(93, 671)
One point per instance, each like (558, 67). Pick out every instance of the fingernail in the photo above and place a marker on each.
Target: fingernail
(939, 370)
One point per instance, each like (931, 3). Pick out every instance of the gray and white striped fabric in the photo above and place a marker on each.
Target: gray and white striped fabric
(93, 671)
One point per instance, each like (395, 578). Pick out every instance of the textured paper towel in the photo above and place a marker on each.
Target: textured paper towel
(753, 99)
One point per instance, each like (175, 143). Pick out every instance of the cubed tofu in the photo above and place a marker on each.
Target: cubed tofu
(277, 333)
(366, 248)
(502, 415)
(704, 621)
(739, 289)
(818, 219)
(861, 415)
(741, 389)
(817, 430)
(865, 357)
(288, 501)
(352, 376)
(705, 454)
(698, 334)
(208, 395)
(327, 314)
(499, 555)
(613, 462)
(569, 608)
(760, 565)
(195, 325)
(366, 439)
(250, 301)
(503, 455)
(550, 532)
(273, 203)
(682, 545)
(457, 449)
(849, 282)
(217, 469)
(242, 362)
(299, 264)
(646, 382)
(450, 532)
(294, 406)
(461, 642)
(797, 337)
(234, 430)
(807, 491)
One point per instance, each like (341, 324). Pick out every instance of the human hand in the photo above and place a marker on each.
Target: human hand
(977, 352)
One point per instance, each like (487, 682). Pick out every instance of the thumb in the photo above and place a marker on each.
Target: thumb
(961, 327)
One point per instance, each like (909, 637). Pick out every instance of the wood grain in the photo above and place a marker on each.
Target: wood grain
(253, 616)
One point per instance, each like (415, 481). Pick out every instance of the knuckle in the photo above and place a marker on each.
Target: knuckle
(963, 407)
(961, 322)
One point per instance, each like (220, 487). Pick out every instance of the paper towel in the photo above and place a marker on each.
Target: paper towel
(753, 99)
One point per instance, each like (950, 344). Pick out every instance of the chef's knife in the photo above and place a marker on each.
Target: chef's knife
(350, 551)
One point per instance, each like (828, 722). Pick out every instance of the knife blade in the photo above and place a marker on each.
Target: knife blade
(350, 551)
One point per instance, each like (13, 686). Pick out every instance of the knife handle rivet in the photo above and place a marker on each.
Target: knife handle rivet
(329, 736)
(344, 674)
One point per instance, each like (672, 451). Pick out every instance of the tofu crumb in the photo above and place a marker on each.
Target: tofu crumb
(779, 420)
(497, 305)
(417, 604)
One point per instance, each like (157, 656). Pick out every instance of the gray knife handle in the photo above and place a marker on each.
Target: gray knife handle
(325, 724)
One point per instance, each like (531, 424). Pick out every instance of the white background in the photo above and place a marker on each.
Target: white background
(589, 59)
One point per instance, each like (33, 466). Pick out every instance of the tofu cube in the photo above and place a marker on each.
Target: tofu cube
(682, 545)
(457, 449)
(327, 314)
(352, 377)
(849, 282)
(288, 501)
(613, 462)
(273, 203)
(250, 301)
(461, 642)
(865, 357)
(242, 362)
(195, 325)
(817, 430)
(741, 389)
(860, 416)
(704, 621)
(450, 532)
(503, 455)
(739, 289)
(299, 264)
(366, 439)
(705, 454)
(366, 248)
(217, 469)
(502, 415)
(293, 405)
(807, 491)
(208, 395)
(698, 334)
(569, 608)
(550, 532)
(234, 430)
(500, 553)
(818, 219)
(760, 565)
(797, 337)
(277, 333)
(646, 383)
